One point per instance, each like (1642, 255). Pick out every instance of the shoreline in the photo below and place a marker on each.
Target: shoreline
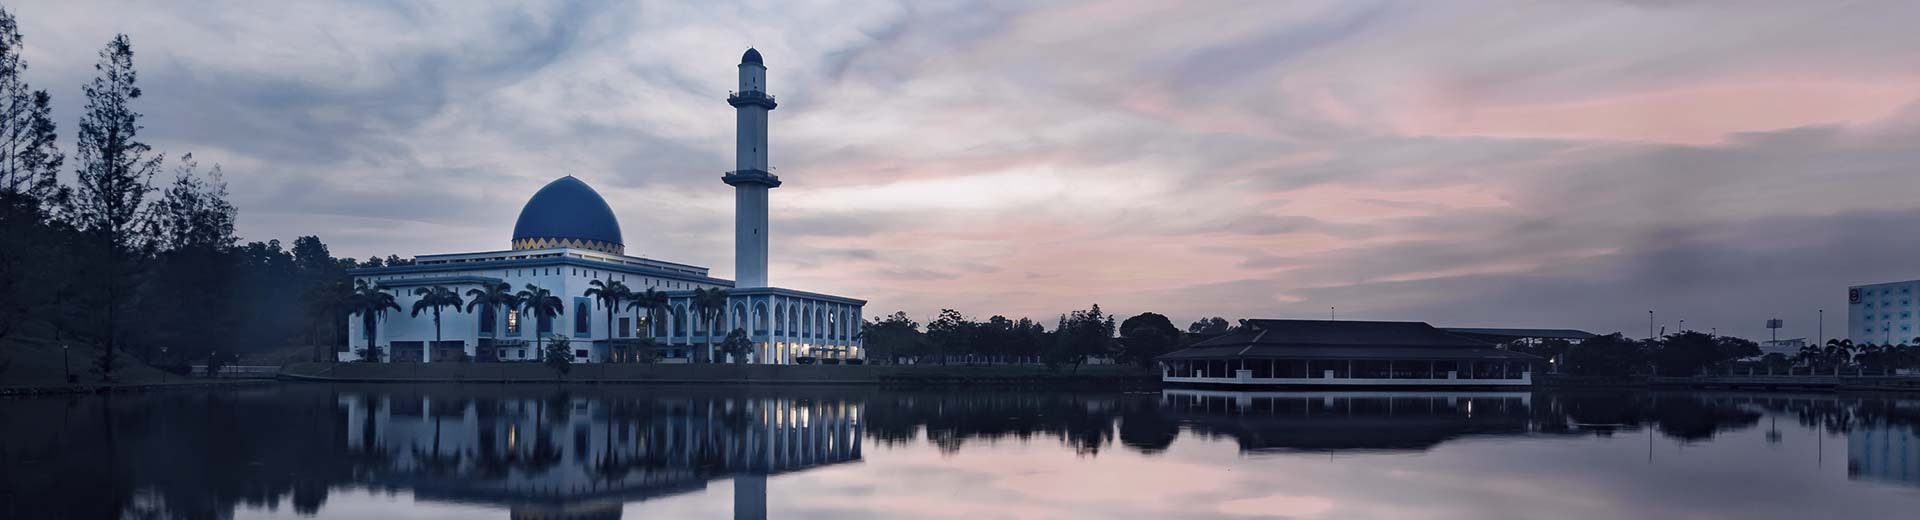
(615, 374)
(125, 388)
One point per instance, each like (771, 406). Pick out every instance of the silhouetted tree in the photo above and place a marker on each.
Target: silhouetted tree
(1081, 334)
(949, 333)
(737, 346)
(432, 299)
(558, 356)
(651, 304)
(610, 294)
(371, 303)
(1209, 326)
(1147, 336)
(709, 304)
(891, 337)
(114, 174)
(543, 306)
(1609, 355)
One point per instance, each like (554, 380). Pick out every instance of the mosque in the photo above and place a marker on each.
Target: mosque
(568, 241)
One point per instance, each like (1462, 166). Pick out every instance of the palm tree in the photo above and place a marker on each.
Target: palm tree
(330, 303)
(370, 303)
(1838, 352)
(435, 298)
(543, 306)
(709, 303)
(651, 302)
(496, 296)
(610, 293)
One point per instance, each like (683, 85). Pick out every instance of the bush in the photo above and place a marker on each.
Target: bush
(804, 360)
(856, 361)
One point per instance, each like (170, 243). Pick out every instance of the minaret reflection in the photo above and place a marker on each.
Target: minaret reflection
(569, 455)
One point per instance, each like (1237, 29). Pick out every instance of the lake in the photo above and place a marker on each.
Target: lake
(601, 452)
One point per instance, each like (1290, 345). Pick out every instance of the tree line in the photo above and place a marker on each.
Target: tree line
(1690, 353)
(137, 253)
(1077, 337)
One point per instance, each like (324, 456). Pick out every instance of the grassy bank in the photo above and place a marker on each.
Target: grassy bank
(723, 374)
(40, 364)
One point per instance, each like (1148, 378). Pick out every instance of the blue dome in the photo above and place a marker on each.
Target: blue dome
(752, 56)
(567, 213)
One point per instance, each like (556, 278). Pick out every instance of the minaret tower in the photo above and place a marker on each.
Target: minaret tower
(751, 177)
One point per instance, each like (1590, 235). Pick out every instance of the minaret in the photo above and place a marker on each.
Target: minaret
(751, 177)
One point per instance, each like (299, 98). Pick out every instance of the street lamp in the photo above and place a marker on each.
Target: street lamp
(163, 368)
(64, 364)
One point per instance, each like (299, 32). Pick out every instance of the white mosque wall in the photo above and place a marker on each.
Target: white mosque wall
(785, 325)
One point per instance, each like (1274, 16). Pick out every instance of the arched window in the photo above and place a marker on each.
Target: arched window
(680, 320)
(486, 320)
(657, 320)
(760, 318)
(739, 320)
(779, 318)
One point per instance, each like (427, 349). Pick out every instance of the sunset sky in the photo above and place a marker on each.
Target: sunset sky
(1541, 164)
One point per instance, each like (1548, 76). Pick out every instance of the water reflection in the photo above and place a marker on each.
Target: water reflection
(1330, 421)
(575, 455)
(599, 452)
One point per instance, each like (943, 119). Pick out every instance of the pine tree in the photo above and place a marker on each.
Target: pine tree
(29, 162)
(115, 174)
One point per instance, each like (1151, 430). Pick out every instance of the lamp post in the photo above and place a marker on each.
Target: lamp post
(65, 365)
(163, 368)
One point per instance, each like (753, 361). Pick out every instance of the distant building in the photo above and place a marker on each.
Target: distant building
(1784, 347)
(1883, 313)
(1528, 336)
(1346, 353)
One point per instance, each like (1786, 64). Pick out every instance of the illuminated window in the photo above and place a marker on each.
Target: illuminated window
(513, 321)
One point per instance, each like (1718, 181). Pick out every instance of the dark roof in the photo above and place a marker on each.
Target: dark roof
(1524, 333)
(567, 208)
(1325, 339)
(752, 56)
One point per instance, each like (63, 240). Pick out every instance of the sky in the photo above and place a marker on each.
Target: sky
(1567, 164)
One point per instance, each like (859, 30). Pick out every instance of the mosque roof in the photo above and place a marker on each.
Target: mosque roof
(752, 56)
(567, 209)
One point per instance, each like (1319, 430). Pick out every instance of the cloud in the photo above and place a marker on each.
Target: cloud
(1567, 166)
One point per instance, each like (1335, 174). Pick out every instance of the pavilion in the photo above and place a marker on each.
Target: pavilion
(1346, 353)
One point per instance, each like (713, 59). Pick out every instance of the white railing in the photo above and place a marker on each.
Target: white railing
(240, 371)
(1245, 377)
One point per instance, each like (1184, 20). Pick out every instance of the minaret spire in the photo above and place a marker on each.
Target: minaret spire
(751, 177)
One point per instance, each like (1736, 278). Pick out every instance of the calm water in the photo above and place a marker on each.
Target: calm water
(313, 451)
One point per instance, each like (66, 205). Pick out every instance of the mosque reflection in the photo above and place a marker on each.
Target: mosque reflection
(572, 455)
